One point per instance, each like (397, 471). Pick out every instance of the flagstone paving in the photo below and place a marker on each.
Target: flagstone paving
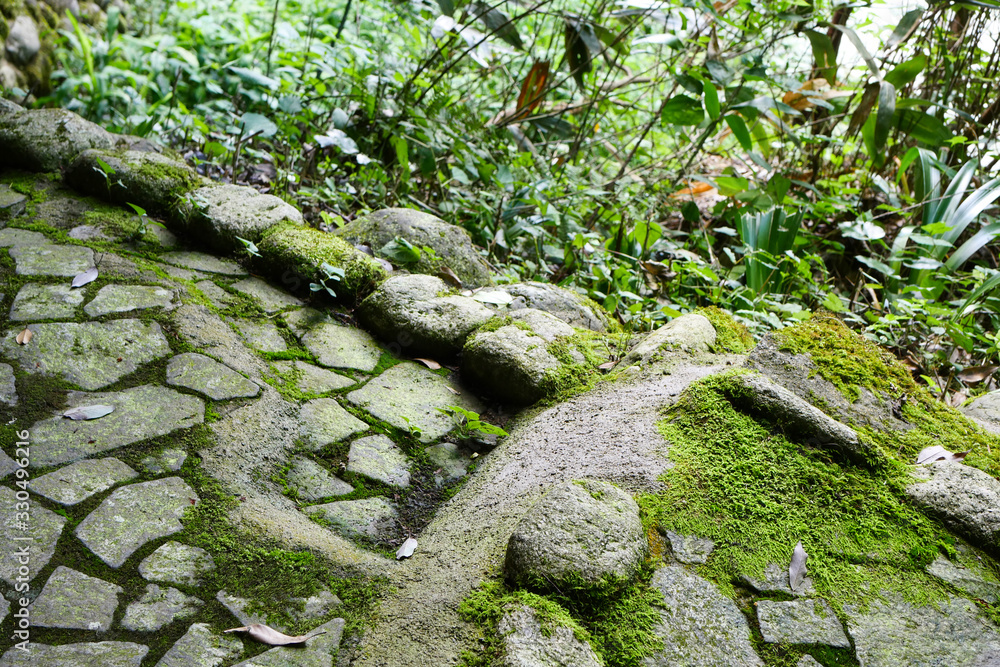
(45, 302)
(72, 600)
(77, 482)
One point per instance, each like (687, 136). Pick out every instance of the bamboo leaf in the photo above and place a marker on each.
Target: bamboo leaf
(886, 110)
(740, 131)
(903, 28)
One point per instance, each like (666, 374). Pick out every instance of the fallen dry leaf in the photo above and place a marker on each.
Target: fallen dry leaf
(938, 453)
(797, 569)
(430, 363)
(450, 277)
(88, 412)
(607, 365)
(405, 551)
(454, 391)
(81, 279)
(974, 374)
(24, 337)
(268, 635)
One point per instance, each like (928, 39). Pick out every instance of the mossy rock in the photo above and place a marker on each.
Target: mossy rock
(221, 215)
(46, 139)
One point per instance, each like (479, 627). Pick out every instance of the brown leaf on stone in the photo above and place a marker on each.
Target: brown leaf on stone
(24, 337)
(450, 277)
(268, 635)
(430, 363)
(937, 453)
(607, 365)
(974, 374)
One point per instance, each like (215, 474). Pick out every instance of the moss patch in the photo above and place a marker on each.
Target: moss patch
(731, 336)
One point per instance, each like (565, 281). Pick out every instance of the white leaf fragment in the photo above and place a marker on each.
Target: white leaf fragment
(797, 569)
(405, 551)
(88, 412)
(938, 453)
(268, 635)
(88, 276)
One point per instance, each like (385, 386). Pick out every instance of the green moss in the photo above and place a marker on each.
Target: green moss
(573, 377)
(731, 336)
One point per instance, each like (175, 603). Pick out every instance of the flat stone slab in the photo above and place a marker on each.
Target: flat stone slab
(317, 652)
(271, 299)
(8, 387)
(526, 643)
(159, 607)
(176, 563)
(311, 379)
(699, 626)
(311, 481)
(199, 261)
(966, 499)
(263, 336)
(4, 609)
(342, 347)
(79, 481)
(322, 421)
(973, 582)
(412, 391)
(126, 298)
(43, 527)
(88, 233)
(7, 465)
(208, 377)
(775, 580)
(12, 203)
(800, 622)
(45, 302)
(11, 237)
(133, 515)
(218, 297)
(368, 517)
(50, 259)
(72, 600)
(237, 606)
(304, 320)
(142, 412)
(91, 654)
(690, 549)
(449, 460)
(378, 457)
(200, 647)
(89, 354)
(169, 460)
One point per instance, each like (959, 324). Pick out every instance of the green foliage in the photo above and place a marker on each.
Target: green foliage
(468, 423)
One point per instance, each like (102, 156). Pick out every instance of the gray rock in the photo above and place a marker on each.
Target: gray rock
(377, 457)
(408, 397)
(311, 481)
(8, 388)
(43, 527)
(48, 139)
(133, 515)
(22, 43)
(369, 517)
(313, 607)
(565, 304)
(12, 237)
(164, 237)
(342, 347)
(237, 606)
(126, 298)
(87, 354)
(263, 336)
(179, 273)
(584, 529)
(543, 324)
(893, 633)
(985, 411)
(218, 297)
(140, 413)
(159, 607)
(169, 460)
(808, 661)
(419, 316)
(304, 320)
(691, 332)
(964, 498)
(88, 233)
(91, 654)
(699, 626)
(527, 644)
(51, 260)
(221, 213)
(200, 647)
(271, 299)
(451, 460)
(510, 363)
(176, 563)
(775, 580)
(976, 583)
(322, 421)
(311, 379)
(12, 204)
(450, 242)
(690, 549)
(7, 465)
(45, 302)
(199, 261)
(71, 600)
(800, 622)
(208, 377)
(79, 481)
(4, 609)
(317, 652)
(211, 335)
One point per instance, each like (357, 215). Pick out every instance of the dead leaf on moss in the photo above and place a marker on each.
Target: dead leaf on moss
(937, 453)
(405, 551)
(81, 279)
(268, 635)
(430, 363)
(974, 374)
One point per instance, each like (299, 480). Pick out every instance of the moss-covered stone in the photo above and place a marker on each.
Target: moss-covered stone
(730, 336)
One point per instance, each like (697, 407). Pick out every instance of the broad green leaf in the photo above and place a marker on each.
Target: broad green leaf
(909, 19)
(883, 119)
(711, 100)
(339, 139)
(740, 131)
(498, 23)
(447, 7)
(824, 55)
(731, 185)
(400, 251)
(256, 78)
(254, 124)
(682, 110)
(921, 126)
(907, 71)
(862, 51)
(972, 246)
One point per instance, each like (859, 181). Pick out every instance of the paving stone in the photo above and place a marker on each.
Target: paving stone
(8, 388)
(207, 376)
(775, 580)
(368, 517)
(88, 233)
(317, 652)
(43, 527)
(50, 259)
(237, 606)
(126, 298)
(311, 379)
(807, 661)
(304, 320)
(450, 459)
(163, 236)
(12, 204)
(378, 457)
(200, 647)
(800, 622)
(271, 298)
(7, 465)
(528, 643)
(72, 600)
(263, 336)
(199, 261)
(176, 563)
(133, 515)
(169, 460)
(408, 395)
(89, 354)
(11, 237)
(311, 481)
(313, 607)
(90, 654)
(978, 584)
(45, 302)
(322, 421)
(4, 609)
(79, 481)
(159, 607)
(690, 549)
(218, 297)
(140, 413)
(342, 347)
(181, 273)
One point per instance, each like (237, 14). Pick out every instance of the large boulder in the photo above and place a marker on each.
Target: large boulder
(450, 243)
(567, 305)
(985, 411)
(419, 315)
(46, 139)
(691, 332)
(222, 214)
(528, 644)
(585, 532)
(965, 499)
